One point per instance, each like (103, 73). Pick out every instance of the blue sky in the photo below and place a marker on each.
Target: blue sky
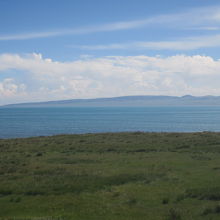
(52, 49)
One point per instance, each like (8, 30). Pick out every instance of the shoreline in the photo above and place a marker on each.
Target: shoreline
(106, 133)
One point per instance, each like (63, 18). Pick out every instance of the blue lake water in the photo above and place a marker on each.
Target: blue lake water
(26, 122)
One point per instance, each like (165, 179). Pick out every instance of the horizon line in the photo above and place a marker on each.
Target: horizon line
(98, 98)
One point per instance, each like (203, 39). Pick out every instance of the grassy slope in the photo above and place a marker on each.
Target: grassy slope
(119, 176)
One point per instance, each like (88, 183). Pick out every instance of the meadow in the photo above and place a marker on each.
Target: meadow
(111, 176)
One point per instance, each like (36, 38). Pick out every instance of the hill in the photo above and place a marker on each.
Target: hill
(186, 100)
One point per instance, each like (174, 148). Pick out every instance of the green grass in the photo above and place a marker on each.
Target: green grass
(112, 176)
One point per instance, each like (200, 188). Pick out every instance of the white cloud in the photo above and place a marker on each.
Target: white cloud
(9, 88)
(205, 17)
(88, 77)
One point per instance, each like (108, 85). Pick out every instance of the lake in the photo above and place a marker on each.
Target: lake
(27, 122)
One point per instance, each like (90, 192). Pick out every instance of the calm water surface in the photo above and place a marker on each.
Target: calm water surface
(26, 122)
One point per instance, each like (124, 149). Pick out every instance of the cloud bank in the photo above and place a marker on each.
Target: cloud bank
(36, 78)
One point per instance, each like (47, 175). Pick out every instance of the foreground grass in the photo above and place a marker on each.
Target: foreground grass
(112, 176)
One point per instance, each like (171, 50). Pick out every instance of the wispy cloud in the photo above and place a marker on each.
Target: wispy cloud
(189, 43)
(195, 18)
(123, 25)
(205, 28)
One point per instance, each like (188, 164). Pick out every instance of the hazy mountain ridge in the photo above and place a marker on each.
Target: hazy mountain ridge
(186, 100)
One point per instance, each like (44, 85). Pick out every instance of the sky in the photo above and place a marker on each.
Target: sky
(67, 49)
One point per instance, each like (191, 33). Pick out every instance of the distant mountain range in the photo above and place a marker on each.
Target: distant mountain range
(186, 100)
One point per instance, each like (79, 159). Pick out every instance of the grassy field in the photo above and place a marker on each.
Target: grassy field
(112, 176)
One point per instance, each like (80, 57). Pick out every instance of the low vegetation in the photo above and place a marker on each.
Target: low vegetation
(112, 176)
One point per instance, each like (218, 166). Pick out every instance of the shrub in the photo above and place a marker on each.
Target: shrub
(204, 193)
(207, 211)
(180, 197)
(131, 201)
(165, 201)
(4, 192)
(39, 154)
(217, 209)
(174, 215)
